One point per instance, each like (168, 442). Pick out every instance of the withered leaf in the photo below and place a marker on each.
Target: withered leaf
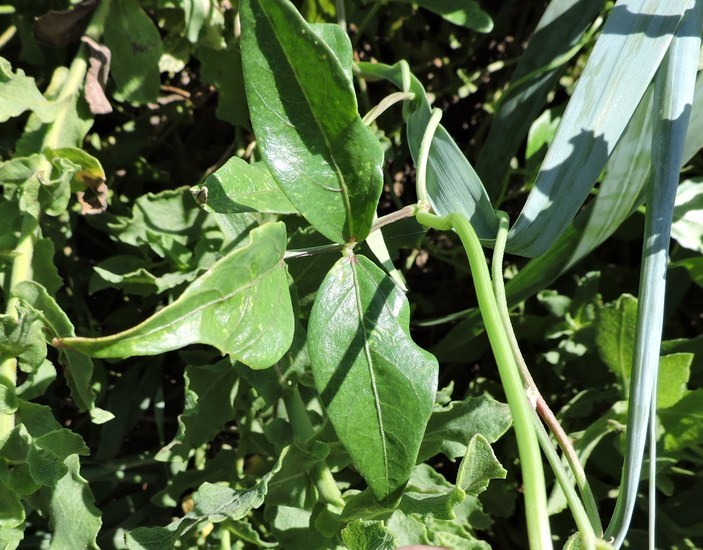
(96, 78)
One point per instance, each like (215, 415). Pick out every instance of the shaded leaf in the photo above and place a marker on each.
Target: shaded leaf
(241, 306)
(466, 13)
(136, 47)
(324, 158)
(150, 538)
(210, 391)
(339, 42)
(223, 69)
(363, 360)
(60, 28)
(615, 336)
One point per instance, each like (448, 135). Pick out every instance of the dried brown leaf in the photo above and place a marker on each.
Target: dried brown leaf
(96, 77)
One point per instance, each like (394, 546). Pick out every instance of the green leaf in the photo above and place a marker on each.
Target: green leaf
(368, 535)
(210, 391)
(339, 42)
(302, 104)
(683, 422)
(615, 336)
(242, 187)
(22, 172)
(167, 222)
(241, 306)
(451, 428)
(90, 172)
(363, 360)
(223, 69)
(44, 270)
(78, 368)
(19, 93)
(674, 372)
(37, 381)
(466, 13)
(136, 48)
(23, 338)
(150, 538)
(478, 467)
(687, 227)
(11, 509)
(218, 503)
(129, 274)
(50, 446)
(74, 519)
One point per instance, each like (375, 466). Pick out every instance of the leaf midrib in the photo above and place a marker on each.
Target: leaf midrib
(369, 360)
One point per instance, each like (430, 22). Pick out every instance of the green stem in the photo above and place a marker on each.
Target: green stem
(342, 15)
(581, 517)
(533, 392)
(302, 432)
(539, 533)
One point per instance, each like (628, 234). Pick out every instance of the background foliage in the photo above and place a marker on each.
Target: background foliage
(112, 451)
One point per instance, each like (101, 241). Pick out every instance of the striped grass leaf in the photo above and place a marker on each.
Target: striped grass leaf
(620, 192)
(624, 60)
(673, 97)
(559, 36)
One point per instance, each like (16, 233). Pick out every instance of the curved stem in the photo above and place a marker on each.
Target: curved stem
(386, 103)
(425, 155)
(541, 406)
(539, 533)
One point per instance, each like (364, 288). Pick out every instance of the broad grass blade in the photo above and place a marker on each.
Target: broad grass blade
(555, 41)
(673, 97)
(617, 74)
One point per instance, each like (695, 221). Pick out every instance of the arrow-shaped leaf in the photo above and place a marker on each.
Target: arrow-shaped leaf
(376, 384)
(304, 114)
(241, 306)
